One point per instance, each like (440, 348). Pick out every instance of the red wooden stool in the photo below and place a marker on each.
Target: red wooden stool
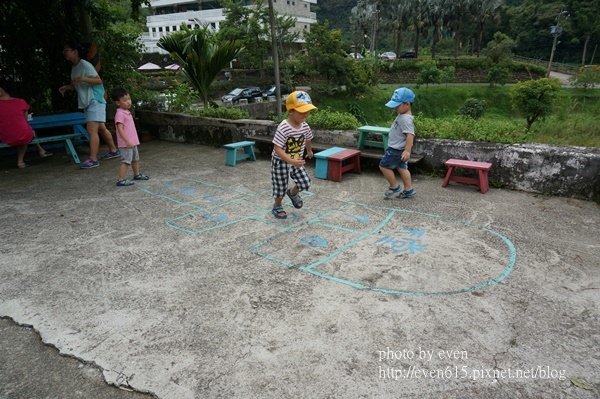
(342, 162)
(482, 169)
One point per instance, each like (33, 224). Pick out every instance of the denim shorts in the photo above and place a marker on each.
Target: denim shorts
(95, 112)
(392, 159)
(129, 155)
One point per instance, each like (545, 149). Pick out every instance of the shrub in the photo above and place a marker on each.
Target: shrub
(459, 128)
(222, 112)
(472, 108)
(498, 75)
(534, 98)
(499, 48)
(324, 118)
(429, 73)
(447, 74)
(587, 77)
(180, 97)
(531, 69)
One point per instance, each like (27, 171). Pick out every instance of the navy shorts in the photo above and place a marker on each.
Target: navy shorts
(392, 159)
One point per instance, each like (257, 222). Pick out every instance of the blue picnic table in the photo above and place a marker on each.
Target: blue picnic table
(75, 120)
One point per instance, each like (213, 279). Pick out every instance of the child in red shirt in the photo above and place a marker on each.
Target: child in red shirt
(14, 128)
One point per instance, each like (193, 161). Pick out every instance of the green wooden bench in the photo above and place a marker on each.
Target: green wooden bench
(365, 132)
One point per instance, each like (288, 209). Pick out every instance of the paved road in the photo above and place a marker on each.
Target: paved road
(186, 287)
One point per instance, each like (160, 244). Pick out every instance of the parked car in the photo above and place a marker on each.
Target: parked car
(240, 93)
(388, 55)
(270, 91)
(408, 54)
(356, 56)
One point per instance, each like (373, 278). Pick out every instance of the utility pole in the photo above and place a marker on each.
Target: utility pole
(275, 55)
(556, 31)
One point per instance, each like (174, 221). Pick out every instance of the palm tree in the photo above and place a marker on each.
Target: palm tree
(399, 20)
(436, 10)
(483, 11)
(200, 56)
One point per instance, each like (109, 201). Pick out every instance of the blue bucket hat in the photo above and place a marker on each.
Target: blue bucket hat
(401, 95)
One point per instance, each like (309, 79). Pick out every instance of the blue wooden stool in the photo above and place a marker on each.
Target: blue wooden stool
(322, 164)
(232, 155)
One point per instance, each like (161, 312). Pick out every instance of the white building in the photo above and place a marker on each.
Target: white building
(168, 15)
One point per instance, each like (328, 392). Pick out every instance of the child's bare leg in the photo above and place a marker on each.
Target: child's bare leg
(406, 178)
(389, 176)
(135, 166)
(42, 152)
(21, 150)
(277, 201)
(123, 171)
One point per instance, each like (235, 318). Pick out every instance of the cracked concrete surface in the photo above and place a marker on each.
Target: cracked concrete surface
(185, 287)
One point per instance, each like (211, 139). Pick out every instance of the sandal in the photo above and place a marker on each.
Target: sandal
(278, 212)
(141, 176)
(296, 199)
(125, 183)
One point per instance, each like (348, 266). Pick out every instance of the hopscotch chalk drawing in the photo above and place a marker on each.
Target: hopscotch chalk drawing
(380, 249)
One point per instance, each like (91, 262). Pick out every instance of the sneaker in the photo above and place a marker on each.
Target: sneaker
(89, 164)
(392, 192)
(124, 183)
(111, 155)
(408, 193)
(141, 176)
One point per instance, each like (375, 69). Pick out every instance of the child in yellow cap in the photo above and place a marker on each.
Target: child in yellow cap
(292, 138)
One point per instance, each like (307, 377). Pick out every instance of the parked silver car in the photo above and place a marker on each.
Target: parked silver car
(388, 55)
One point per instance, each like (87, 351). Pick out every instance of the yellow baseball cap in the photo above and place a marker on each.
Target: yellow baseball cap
(299, 101)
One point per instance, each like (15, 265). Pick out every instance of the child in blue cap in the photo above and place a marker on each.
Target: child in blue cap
(400, 143)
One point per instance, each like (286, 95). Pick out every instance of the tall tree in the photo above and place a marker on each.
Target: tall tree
(484, 11)
(458, 16)
(400, 16)
(362, 19)
(436, 10)
(32, 42)
(586, 23)
(250, 26)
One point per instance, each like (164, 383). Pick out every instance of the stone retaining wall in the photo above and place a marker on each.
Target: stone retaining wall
(557, 170)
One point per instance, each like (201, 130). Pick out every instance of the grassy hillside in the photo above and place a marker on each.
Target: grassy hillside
(573, 121)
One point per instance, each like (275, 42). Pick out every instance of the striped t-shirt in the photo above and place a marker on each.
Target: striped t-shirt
(292, 140)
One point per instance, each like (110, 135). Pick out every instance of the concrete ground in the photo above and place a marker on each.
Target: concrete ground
(184, 286)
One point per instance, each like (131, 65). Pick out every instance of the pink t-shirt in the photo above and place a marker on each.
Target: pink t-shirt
(14, 129)
(124, 117)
